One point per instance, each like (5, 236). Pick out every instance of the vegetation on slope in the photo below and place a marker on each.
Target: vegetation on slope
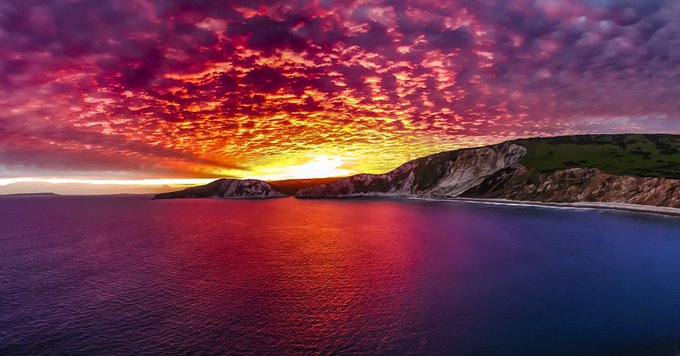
(631, 154)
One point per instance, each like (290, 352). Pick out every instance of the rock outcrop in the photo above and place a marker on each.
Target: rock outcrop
(228, 189)
(577, 185)
(446, 174)
(626, 169)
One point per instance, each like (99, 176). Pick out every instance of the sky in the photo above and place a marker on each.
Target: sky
(145, 95)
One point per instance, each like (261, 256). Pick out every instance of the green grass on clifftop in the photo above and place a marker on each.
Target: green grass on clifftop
(637, 155)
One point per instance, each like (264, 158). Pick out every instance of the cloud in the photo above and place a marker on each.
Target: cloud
(208, 88)
(448, 39)
(265, 34)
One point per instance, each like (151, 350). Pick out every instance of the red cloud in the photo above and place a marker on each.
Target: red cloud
(207, 87)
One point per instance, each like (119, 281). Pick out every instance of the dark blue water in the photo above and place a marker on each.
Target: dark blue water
(121, 275)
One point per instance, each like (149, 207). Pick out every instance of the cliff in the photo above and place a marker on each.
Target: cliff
(228, 189)
(446, 174)
(577, 185)
(629, 169)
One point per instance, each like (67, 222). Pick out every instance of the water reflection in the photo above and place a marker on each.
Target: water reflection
(129, 275)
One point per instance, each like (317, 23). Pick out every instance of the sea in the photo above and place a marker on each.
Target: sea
(120, 275)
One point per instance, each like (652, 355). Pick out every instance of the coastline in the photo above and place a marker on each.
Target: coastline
(623, 207)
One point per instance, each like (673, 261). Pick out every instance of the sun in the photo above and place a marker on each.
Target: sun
(321, 166)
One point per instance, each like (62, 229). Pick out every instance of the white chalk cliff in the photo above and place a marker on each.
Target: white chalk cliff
(446, 174)
(228, 189)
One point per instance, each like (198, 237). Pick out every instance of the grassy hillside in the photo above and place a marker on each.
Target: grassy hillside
(638, 155)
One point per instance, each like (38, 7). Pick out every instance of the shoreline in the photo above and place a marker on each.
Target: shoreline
(621, 207)
(604, 206)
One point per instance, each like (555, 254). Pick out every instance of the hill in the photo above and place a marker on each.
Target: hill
(629, 154)
(628, 169)
(245, 189)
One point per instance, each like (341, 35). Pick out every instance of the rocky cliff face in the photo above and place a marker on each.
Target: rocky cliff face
(511, 170)
(446, 174)
(577, 185)
(227, 188)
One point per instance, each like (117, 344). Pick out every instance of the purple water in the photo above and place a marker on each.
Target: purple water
(122, 275)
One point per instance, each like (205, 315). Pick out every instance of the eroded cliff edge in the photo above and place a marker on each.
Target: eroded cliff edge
(577, 185)
(626, 169)
(445, 175)
(228, 189)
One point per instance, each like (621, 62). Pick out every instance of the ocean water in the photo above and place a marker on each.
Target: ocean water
(127, 275)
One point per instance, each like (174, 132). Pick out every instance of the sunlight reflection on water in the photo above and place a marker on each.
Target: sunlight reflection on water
(128, 275)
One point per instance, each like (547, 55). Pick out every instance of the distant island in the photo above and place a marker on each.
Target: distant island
(634, 169)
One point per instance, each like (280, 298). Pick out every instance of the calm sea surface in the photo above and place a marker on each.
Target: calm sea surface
(123, 275)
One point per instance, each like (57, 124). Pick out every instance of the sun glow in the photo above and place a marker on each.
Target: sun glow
(318, 167)
(133, 182)
(321, 166)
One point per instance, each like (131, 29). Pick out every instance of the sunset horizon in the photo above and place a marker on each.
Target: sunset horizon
(139, 90)
(339, 177)
(316, 168)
